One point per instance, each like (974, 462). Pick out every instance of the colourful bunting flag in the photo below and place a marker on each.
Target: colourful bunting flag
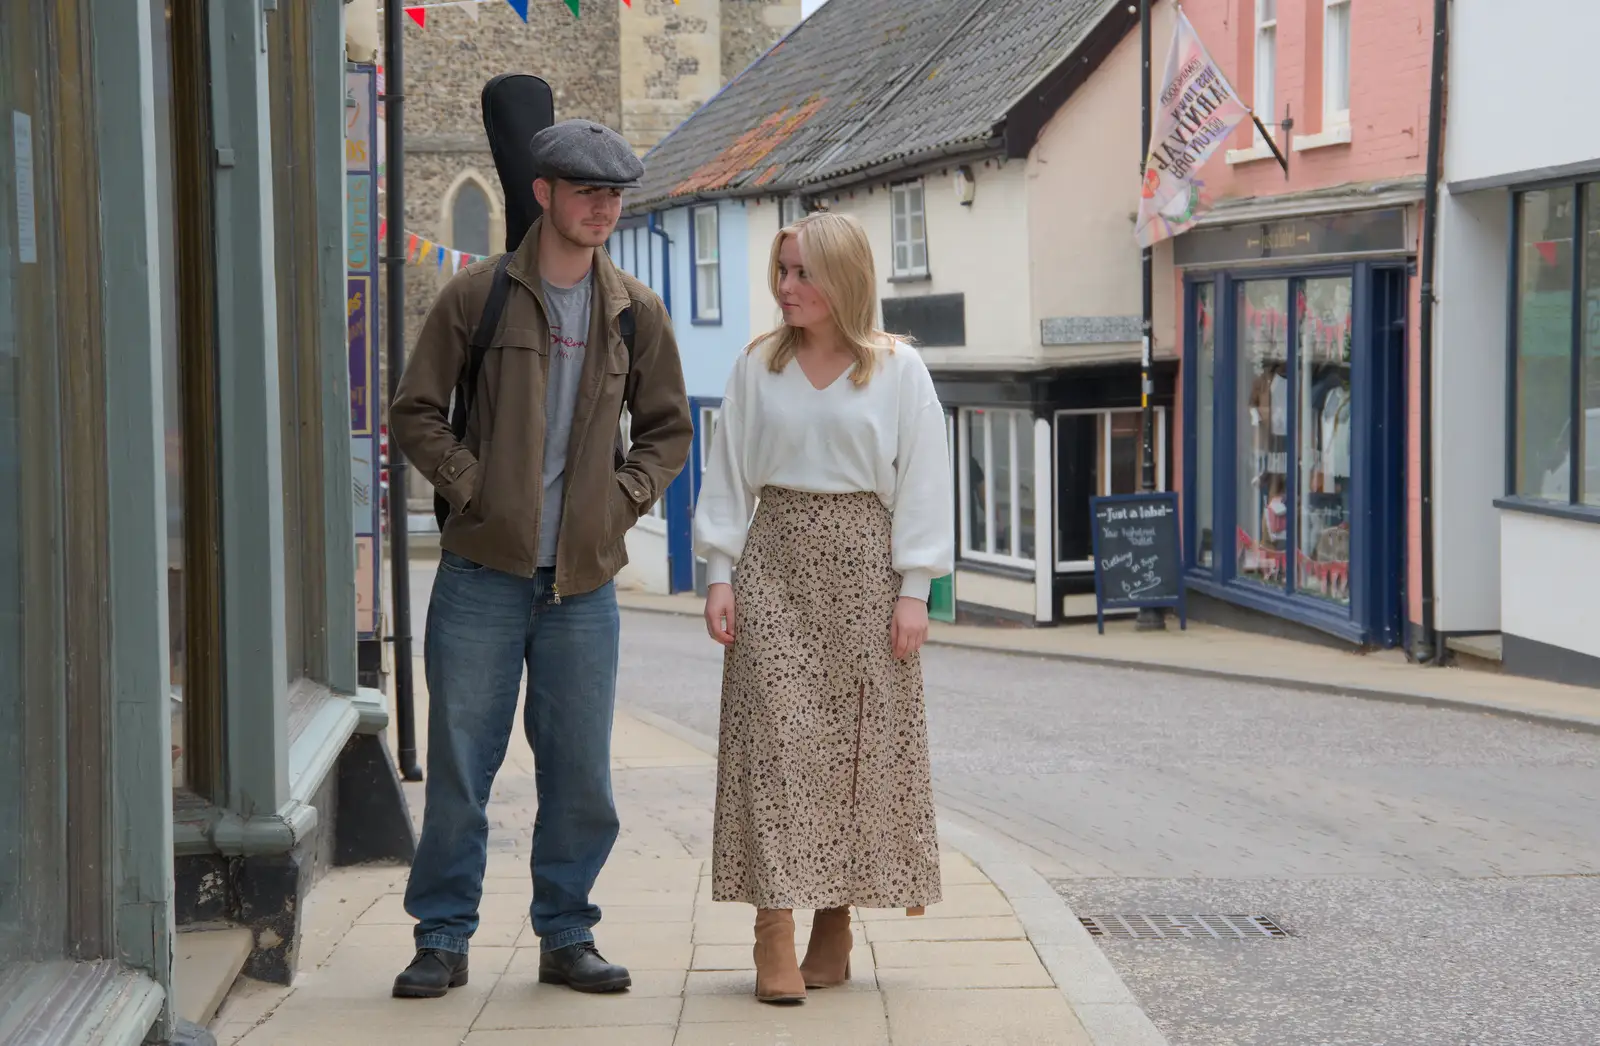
(573, 4)
(418, 15)
(520, 7)
(471, 9)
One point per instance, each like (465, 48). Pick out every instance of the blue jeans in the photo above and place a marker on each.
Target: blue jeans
(483, 626)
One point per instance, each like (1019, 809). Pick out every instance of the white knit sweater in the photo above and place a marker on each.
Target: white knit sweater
(887, 438)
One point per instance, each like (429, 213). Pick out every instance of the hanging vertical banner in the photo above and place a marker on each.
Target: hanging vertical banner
(1195, 113)
(361, 311)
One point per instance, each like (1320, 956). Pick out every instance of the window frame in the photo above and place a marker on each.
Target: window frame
(1263, 26)
(900, 195)
(699, 314)
(1336, 118)
(1574, 507)
(447, 211)
(709, 416)
(1017, 418)
(791, 209)
(1085, 566)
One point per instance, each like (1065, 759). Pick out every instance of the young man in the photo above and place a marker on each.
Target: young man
(540, 502)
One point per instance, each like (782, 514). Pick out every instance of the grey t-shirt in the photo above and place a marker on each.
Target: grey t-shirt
(568, 310)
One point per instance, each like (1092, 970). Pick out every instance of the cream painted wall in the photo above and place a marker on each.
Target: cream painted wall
(647, 558)
(987, 590)
(761, 226)
(1541, 597)
(979, 251)
(1082, 192)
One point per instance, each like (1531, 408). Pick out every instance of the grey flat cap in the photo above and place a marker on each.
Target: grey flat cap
(585, 153)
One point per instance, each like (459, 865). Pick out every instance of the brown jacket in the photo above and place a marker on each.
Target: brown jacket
(493, 479)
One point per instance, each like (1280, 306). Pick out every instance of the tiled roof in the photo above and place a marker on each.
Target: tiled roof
(863, 84)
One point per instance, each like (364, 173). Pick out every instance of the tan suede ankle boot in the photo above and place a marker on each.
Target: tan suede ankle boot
(827, 963)
(777, 974)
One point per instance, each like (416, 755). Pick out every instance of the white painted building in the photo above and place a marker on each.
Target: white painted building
(990, 162)
(1517, 350)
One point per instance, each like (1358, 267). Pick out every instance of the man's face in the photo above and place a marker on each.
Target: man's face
(584, 215)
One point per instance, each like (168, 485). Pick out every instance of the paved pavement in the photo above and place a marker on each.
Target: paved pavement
(1439, 869)
(964, 975)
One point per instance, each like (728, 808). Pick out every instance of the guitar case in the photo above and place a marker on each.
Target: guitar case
(516, 106)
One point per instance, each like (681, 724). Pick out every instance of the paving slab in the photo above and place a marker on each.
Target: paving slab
(690, 956)
(1000, 1017)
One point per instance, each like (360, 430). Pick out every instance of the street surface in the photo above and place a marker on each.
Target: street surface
(1439, 870)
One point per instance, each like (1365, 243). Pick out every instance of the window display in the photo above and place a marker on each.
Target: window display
(1263, 384)
(1205, 432)
(1294, 473)
(1322, 556)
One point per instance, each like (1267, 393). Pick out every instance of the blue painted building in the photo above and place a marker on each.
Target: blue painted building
(699, 259)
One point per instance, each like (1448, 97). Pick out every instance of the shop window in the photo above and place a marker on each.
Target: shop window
(1322, 559)
(32, 843)
(997, 487)
(707, 265)
(1293, 417)
(1266, 64)
(1335, 64)
(910, 230)
(1205, 444)
(1556, 429)
(1098, 453)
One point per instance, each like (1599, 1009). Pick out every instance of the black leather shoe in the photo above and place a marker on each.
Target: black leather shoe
(432, 973)
(582, 968)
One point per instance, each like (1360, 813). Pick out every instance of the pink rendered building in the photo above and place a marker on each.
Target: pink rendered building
(1298, 303)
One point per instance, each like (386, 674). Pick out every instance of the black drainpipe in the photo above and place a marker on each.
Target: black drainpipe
(1425, 649)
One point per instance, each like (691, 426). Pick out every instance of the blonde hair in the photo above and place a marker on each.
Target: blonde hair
(838, 262)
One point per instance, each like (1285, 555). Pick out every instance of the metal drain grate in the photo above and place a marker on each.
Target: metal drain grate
(1161, 927)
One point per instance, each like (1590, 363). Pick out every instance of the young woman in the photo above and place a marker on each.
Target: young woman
(831, 434)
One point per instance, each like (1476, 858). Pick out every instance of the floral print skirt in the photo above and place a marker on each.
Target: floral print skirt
(824, 796)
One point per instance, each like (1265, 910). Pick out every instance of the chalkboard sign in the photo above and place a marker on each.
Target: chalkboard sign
(1137, 560)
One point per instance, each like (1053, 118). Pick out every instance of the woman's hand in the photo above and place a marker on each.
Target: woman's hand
(720, 623)
(910, 627)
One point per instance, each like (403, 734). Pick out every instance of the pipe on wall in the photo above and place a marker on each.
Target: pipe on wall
(1425, 647)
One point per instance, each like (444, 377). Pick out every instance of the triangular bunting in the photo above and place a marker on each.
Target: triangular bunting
(418, 15)
(520, 7)
(471, 8)
(573, 4)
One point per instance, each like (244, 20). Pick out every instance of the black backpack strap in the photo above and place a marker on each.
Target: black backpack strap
(630, 335)
(494, 306)
(629, 332)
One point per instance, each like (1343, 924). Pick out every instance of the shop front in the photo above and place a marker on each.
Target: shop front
(1030, 450)
(183, 744)
(1294, 438)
